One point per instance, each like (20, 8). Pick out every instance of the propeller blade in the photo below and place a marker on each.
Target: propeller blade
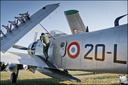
(20, 47)
(35, 36)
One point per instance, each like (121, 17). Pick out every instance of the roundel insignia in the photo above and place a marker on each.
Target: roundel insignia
(74, 30)
(73, 50)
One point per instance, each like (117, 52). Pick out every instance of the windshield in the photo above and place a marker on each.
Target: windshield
(55, 33)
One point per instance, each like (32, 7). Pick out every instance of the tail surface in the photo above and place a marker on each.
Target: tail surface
(75, 22)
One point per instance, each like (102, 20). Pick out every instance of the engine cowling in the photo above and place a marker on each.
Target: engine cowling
(31, 48)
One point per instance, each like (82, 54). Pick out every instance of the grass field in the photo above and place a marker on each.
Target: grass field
(28, 78)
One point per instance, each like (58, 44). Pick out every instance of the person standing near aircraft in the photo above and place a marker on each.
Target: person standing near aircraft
(45, 42)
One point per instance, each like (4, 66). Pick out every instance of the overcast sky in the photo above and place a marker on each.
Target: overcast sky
(96, 15)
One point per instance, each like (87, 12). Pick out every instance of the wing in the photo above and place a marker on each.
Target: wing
(23, 28)
(18, 58)
(45, 67)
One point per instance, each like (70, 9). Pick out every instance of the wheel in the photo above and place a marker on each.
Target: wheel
(13, 78)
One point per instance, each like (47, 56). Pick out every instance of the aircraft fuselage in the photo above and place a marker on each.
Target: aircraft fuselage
(99, 51)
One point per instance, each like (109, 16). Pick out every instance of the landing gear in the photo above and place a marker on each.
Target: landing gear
(15, 70)
(13, 77)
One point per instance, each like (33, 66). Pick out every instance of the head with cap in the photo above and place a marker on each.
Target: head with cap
(42, 34)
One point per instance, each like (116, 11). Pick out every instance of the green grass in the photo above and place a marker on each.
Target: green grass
(28, 78)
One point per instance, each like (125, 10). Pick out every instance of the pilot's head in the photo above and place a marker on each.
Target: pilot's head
(42, 34)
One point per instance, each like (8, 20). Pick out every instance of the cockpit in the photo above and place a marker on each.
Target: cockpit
(55, 33)
(37, 44)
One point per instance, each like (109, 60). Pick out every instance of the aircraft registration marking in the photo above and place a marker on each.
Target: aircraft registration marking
(103, 53)
(109, 52)
(73, 50)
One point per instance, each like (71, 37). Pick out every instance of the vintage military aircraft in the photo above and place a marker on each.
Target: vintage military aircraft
(99, 51)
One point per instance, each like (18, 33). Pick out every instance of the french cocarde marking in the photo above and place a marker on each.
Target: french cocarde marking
(73, 50)
(75, 29)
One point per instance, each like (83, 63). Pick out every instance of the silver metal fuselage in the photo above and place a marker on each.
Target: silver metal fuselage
(99, 51)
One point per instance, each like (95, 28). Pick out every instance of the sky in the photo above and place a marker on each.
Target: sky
(97, 15)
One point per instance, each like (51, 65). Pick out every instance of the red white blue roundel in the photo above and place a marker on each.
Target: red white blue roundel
(73, 50)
